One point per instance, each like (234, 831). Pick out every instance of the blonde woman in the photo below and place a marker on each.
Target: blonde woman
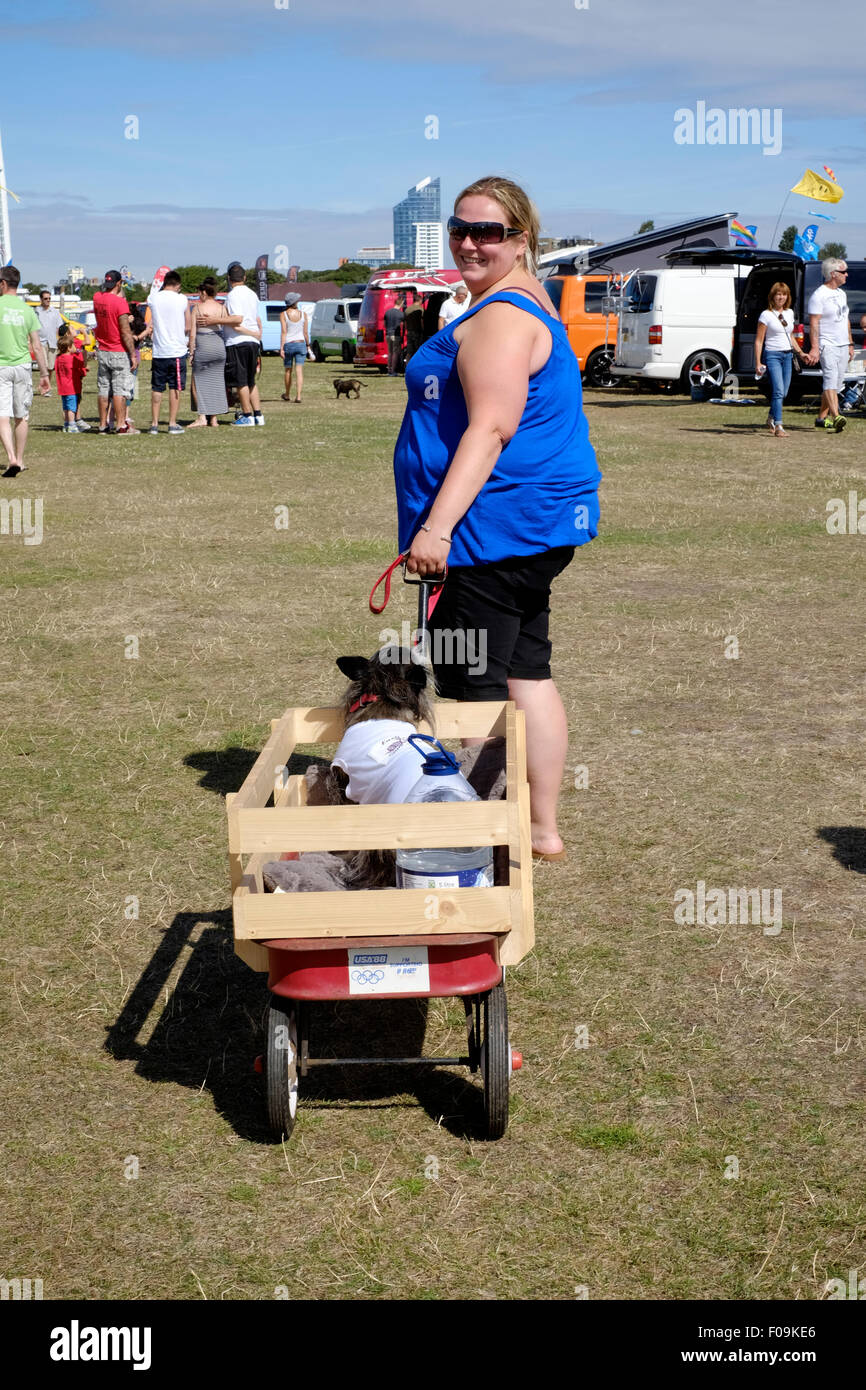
(774, 351)
(496, 478)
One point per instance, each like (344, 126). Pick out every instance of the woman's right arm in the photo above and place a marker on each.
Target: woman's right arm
(759, 348)
(283, 331)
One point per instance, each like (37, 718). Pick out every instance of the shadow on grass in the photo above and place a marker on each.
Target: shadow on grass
(849, 845)
(212, 1027)
(225, 769)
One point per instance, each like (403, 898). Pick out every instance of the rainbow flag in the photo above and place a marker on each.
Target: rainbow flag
(743, 236)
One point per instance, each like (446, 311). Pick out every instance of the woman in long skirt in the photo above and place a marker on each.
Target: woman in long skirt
(207, 352)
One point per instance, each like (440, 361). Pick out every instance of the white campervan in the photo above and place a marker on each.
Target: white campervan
(678, 325)
(334, 328)
(695, 320)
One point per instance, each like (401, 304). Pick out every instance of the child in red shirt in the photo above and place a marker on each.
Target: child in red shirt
(70, 372)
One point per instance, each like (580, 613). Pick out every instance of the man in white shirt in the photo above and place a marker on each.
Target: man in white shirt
(830, 340)
(242, 349)
(169, 311)
(50, 324)
(451, 309)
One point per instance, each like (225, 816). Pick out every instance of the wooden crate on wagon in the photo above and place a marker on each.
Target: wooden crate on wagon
(259, 832)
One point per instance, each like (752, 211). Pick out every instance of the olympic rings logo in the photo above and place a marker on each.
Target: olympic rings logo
(368, 977)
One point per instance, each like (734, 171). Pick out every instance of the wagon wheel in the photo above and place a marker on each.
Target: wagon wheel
(284, 1039)
(495, 1060)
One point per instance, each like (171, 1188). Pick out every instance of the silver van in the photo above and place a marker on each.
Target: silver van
(334, 328)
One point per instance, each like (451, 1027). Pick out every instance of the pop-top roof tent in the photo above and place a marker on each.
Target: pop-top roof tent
(647, 251)
(412, 279)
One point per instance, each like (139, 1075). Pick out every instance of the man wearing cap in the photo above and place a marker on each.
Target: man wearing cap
(294, 345)
(50, 324)
(115, 353)
(242, 349)
(19, 336)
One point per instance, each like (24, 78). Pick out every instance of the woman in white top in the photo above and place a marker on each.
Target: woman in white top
(294, 344)
(774, 350)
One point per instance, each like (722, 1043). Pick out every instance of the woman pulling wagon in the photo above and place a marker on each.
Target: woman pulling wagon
(496, 478)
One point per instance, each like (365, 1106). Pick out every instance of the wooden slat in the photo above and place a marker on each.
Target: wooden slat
(522, 937)
(486, 719)
(402, 912)
(259, 782)
(428, 826)
(236, 868)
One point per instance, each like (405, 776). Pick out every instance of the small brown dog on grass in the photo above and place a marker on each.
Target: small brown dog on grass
(345, 385)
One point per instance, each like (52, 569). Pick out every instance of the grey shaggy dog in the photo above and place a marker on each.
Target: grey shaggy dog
(393, 685)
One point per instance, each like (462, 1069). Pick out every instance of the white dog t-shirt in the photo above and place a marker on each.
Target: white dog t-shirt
(379, 761)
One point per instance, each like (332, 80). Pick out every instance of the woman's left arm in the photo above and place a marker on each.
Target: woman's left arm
(493, 364)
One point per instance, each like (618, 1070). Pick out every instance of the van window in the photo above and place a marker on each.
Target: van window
(553, 288)
(273, 312)
(855, 288)
(641, 293)
(596, 291)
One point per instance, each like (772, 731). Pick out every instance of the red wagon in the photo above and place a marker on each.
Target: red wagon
(381, 944)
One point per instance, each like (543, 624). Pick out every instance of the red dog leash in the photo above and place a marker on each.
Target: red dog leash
(434, 590)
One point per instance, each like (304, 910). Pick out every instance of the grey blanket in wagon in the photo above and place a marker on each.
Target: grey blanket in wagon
(484, 769)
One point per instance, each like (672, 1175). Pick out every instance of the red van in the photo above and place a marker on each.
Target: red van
(432, 287)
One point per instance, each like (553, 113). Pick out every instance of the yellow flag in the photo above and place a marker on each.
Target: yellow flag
(812, 185)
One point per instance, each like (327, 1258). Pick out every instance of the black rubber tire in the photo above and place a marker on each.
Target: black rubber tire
(347, 355)
(319, 354)
(713, 365)
(495, 1060)
(597, 369)
(382, 370)
(281, 1069)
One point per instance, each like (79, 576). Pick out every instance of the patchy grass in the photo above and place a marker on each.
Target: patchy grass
(130, 1028)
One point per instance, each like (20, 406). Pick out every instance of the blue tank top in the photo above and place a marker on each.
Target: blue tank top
(543, 491)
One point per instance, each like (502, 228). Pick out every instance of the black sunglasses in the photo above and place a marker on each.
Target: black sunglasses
(482, 233)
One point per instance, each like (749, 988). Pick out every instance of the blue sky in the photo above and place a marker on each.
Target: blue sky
(261, 126)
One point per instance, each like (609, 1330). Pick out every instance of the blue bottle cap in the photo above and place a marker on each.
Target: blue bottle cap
(440, 763)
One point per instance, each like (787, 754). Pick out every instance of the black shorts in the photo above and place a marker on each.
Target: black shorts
(241, 362)
(168, 372)
(491, 622)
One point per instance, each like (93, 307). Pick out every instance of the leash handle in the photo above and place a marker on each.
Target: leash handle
(386, 578)
(431, 586)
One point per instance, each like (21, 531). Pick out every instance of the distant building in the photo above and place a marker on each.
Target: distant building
(556, 243)
(75, 273)
(421, 206)
(374, 256)
(428, 245)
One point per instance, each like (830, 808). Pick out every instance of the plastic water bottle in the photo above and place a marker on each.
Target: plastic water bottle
(442, 780)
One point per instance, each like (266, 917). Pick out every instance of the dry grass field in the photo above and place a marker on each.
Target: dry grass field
(706, 1143)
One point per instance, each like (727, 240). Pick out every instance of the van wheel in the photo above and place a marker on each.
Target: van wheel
(704, 375)
(317, 350)
(597, 369)
(347, 354)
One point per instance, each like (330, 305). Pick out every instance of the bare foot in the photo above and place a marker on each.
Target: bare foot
(197, 424)
(545, 841)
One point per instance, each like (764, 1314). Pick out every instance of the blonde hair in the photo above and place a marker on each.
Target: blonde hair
(779, 285)
(522, 212)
